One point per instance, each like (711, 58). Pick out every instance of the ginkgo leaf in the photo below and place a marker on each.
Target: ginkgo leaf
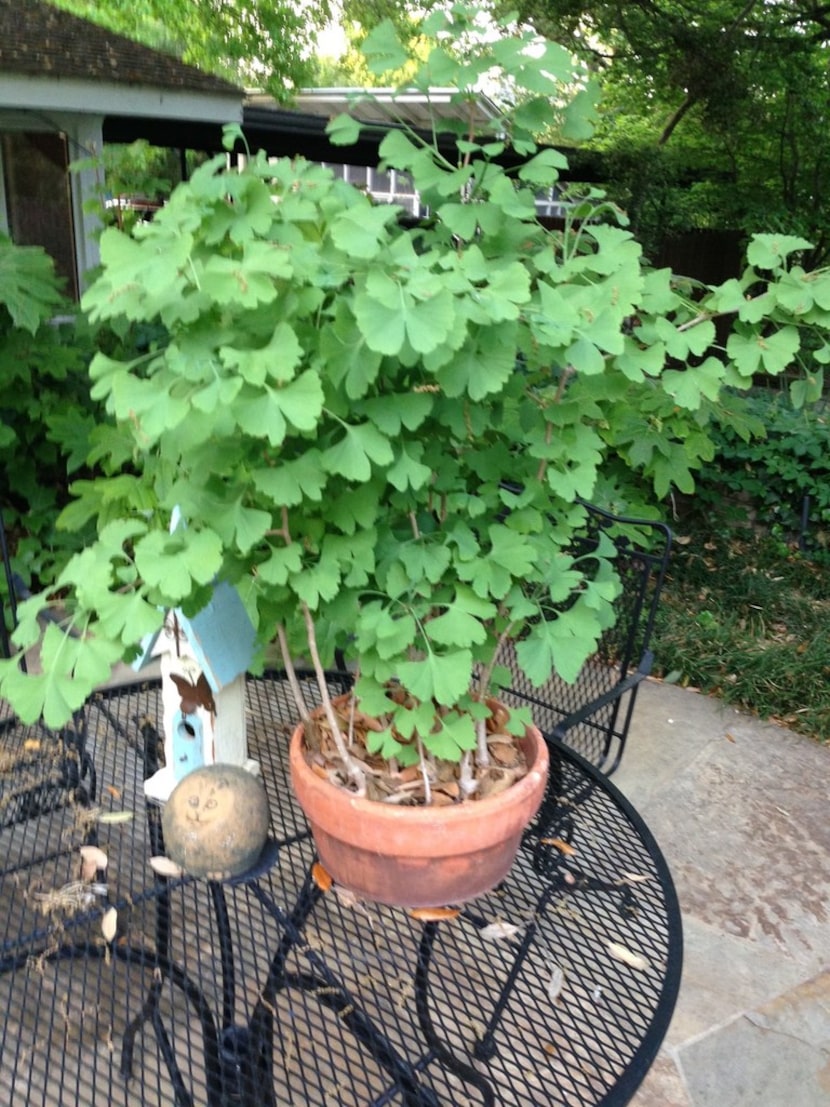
(442, 677)
(276, 361)
(455, 627)
(692, 384)
(408, 471)
(424, 322)
(769, 251)
(290, 482)
(561, 645)
(753, 352)
(343, 130)
(352, 455)
(267, 411)
(360, 230)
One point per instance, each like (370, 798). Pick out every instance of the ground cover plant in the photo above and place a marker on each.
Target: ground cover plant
(745, 615)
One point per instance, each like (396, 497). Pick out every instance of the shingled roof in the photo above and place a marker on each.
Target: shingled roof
(38, 40)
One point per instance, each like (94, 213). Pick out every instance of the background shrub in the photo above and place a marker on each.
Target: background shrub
(779, 481)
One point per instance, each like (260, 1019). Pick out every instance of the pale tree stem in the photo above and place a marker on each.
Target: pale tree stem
(564, 377)
(543, 465)
(487, 674)
(424, 773)
(284, 531)
(291, 673)
(482, 752)
(465, 775)
(352, 707)
(351, 766)
(703, 317)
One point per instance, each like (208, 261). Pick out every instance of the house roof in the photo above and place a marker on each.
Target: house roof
(38, 40)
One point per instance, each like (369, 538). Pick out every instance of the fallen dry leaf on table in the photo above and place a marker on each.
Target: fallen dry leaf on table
(499, 931)
(93, 860)
(109, 924)
(620, 953)
(556, 983)
(320, 877)
(560, 844)
(115, 817)
(434, 914)
(164, 866)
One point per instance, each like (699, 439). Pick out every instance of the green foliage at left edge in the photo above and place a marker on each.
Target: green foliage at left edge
(29, 289)
(47, 415)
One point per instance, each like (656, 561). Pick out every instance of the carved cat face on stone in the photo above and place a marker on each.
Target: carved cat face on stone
(215, 823)
(206, 800)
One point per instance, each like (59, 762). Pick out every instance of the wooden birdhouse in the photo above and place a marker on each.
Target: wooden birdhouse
(204, 659)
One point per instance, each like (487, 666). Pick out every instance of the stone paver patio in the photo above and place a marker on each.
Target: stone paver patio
(740, 810)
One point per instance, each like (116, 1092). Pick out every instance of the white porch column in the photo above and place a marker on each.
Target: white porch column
(84, 133)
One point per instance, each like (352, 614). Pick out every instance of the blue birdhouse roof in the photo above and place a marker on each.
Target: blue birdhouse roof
(221, 636)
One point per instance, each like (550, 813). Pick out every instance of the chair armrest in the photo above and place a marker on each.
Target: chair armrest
(616, 693)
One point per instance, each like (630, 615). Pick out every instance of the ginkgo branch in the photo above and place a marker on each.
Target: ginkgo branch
(352, 767)
(291, 674)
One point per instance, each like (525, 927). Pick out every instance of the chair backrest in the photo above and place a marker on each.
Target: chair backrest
(57, 770)
(593, 714)
(5, 643)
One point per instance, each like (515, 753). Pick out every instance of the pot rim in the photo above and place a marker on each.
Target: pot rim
(514, 796)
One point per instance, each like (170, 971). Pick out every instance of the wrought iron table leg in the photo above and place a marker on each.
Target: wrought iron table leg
(486, 1047)
(466, 1072)
(182, 1095)
(165, 968)
(244, 1051)
(244, 1070)
(223, 926)
(330, 992)
(151, 1013)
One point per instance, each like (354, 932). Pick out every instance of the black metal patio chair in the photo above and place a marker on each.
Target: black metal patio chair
(593, 714)
(52, 768)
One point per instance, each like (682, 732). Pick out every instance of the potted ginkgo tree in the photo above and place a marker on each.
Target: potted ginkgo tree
(382, 432)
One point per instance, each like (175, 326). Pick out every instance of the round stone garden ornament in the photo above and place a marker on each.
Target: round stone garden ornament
(216, 822)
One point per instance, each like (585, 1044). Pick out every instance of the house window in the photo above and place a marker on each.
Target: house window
(38, 199)
(387, 188)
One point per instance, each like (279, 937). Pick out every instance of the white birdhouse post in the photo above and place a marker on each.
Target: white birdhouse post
(204, 659)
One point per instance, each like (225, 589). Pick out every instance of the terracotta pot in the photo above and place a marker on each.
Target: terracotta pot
(418, 856)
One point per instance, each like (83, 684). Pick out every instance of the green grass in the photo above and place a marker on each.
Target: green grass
(747, 618)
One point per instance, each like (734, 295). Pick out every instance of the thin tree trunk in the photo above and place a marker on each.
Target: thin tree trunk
(676, 118)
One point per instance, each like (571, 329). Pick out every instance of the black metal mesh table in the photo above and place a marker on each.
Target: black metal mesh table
(128, 987)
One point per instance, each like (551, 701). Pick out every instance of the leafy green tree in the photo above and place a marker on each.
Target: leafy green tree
(268, 43)
(714, 113)
(712, 55)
